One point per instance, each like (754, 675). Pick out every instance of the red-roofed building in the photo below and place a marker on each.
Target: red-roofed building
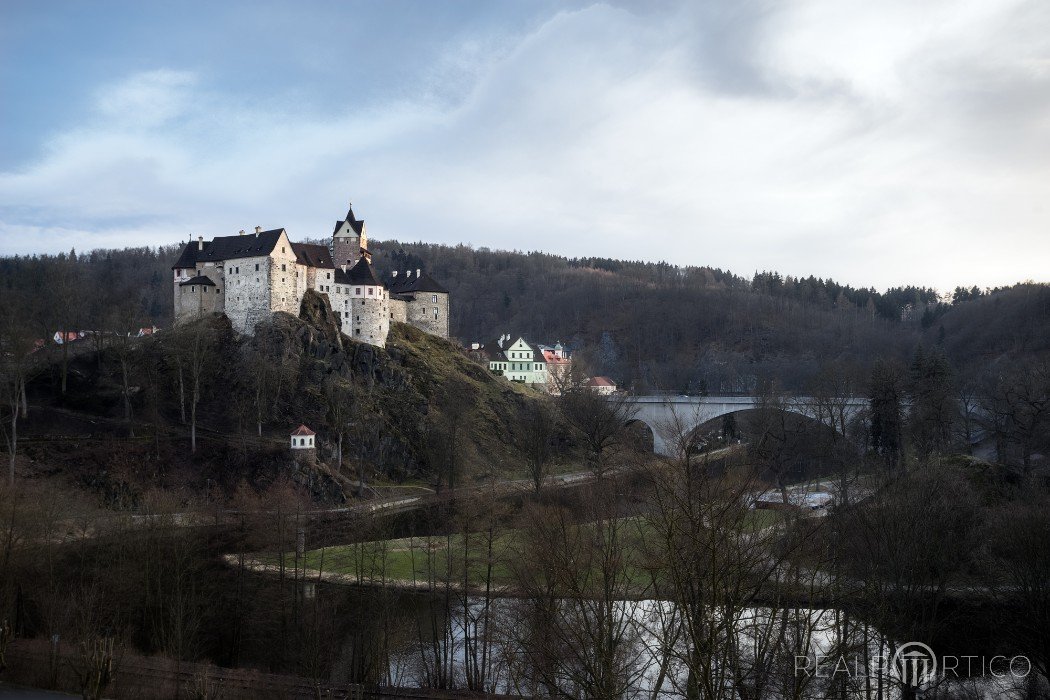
(303, 438)
(601, 385)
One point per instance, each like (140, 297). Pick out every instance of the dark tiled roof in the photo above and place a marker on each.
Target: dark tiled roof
(312, 255)
(188, 258)
(361, 273)
(411, 283)
(221, 248)
(199, 279)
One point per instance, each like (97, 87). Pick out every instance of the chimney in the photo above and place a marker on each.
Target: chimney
(242, 232)
(258, 230)
(200, 242)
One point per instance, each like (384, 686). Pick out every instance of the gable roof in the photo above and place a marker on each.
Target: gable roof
(199, 279)
(303, 430)
(356, 225)
(600, 381)
(313, 255)
(220, 248)
(361, 273)
(409, 283)
(495, 353)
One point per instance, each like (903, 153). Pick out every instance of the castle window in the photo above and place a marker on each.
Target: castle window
(282, 264)
(357, 291)
(434, 298)
(328, 275)
(238, 268)
(370, 290)
(357, 332)
(256, 268)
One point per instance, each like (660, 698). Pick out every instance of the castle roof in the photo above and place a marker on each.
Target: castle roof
(199, 279)
(313, 255)
(410, 284)
(599, 381)
(220, 248)
(356, 225)
(362, 273)
(303, 430)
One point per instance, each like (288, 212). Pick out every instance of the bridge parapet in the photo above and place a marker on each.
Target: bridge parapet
(689, 412)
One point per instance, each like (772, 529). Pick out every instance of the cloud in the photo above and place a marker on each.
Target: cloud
(879, 144)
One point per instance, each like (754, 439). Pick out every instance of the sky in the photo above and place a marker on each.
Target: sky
(879, 144)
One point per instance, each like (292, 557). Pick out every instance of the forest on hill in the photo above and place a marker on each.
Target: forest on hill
(648, 325)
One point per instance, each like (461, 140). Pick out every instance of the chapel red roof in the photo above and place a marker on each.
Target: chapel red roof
(303, 430)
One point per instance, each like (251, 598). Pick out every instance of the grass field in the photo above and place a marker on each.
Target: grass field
(460, 558)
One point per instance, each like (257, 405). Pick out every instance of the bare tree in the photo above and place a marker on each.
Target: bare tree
(533, 438)
(1019, 572)
(193, 350)
(599, 420)
(125, 319)
(340, 404)
(16, 364)
(582, 591)
(66, 305)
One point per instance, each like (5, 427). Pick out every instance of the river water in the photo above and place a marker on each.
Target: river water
(645, 649)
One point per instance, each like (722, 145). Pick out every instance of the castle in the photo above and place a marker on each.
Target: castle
(250, 276)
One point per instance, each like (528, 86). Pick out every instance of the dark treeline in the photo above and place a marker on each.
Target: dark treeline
(695, 329)
(647, 325)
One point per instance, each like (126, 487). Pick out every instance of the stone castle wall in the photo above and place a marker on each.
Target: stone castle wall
(193, 301)
(247, 292)
(284, 279)
(429, 312)
(398, 311)
(369, 319)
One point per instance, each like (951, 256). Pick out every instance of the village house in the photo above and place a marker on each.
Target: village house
(538, 365)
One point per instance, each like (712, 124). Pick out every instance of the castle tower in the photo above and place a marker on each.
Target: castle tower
(349, 241)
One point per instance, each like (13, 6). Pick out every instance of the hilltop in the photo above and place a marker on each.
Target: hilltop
(404, 411)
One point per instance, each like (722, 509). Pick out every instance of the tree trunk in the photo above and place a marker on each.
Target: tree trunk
(13, 444)
(25, 404)
(193, 421)
(65, 363)
(182, 396)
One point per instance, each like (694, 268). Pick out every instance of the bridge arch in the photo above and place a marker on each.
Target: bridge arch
(687, 413)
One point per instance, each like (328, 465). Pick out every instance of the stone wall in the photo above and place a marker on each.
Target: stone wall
(247, 292)
(194, 300)
(369, 318)
(429, 312)
(283, 274)
(398, 311)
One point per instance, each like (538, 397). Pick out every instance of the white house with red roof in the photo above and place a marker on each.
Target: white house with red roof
(601, 385)
(303, 438)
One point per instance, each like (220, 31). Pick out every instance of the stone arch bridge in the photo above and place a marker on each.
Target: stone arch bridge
(669, 415)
